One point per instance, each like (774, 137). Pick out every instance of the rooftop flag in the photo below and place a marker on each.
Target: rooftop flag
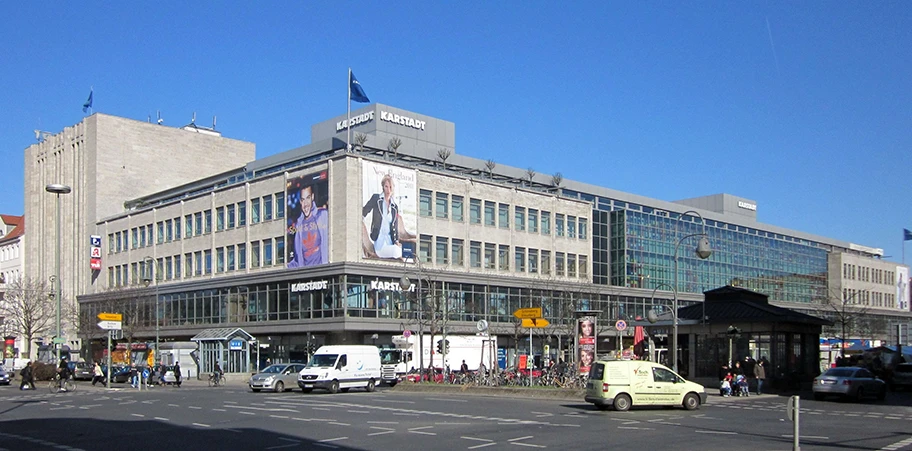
(88, 103)
(907, 234)
(357, 92)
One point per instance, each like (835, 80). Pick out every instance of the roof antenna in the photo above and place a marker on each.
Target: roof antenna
(193, 120)
(213, 122)
(160, 120)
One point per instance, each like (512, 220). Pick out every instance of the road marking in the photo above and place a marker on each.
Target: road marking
(359, 411)
(898, 445)
(162, 419)
(447, 423)
(327, 440)
(384, 430)
(285, 417)
(418, 430)
(636, 428)
(816, 437)
(401, 414)
(284, 446)
(382, 422)
(265, 409)
(193, 407)
(446, 400)
(530, 445)
(173, 405)
(61, 408)
(220, 410)
(320, 408)
(482, 445)
(716, 432)
(235, 402)
(339, 424)
(520, 438)
(246, 413)
(202, 425)
(395, 401)
(138, 415)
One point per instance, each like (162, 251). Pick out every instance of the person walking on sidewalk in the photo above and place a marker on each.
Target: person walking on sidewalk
(760, 374)
(177, 374)
(28, 378)
(98, 375)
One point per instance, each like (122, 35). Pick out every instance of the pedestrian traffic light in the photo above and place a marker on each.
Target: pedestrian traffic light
(440, 346)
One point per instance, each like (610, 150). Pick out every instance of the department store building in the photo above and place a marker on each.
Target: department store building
(477, 239)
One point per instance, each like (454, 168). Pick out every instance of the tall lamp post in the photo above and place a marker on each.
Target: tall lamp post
(405, 284)
(651, 314)
(703, 251)
(58, 189)
(147, 280)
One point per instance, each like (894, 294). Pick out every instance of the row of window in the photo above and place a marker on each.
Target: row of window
(9, 252)
(227, 217)
(263, 253)
(872, 298)
(443, 205)
(451, 251)
(867, 274)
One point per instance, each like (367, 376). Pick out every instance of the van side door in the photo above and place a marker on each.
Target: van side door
(666, 387)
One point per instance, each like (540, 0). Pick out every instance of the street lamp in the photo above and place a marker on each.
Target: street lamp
(733, 334)
(653, 317)
(405, 284)
(703, 251)
(147, 280)
(58, 189)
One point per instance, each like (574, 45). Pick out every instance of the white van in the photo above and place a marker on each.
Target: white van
(625, 383)
(336, 368)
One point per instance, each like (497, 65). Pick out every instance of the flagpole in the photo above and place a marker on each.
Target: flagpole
(349, 118)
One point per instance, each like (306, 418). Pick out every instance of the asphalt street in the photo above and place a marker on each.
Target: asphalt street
(231, 417)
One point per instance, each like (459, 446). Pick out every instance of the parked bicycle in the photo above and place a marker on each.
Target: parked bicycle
(55, 386)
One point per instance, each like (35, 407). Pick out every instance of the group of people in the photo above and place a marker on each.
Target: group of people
(738, 379)
(64, 372)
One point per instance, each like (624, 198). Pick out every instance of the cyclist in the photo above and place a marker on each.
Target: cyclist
(63, 373)
(217, 373)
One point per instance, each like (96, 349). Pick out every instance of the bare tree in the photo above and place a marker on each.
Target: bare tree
(848, 314)
(557, 179)
(394, 145)
(28, 309)
(530, 174)
(360, 139)
(490, 165)
(443, 155)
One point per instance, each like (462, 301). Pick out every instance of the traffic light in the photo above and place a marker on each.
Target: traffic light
(443, 346)
(440, 346)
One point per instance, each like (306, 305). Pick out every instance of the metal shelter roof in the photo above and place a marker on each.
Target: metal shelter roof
(221, 334)
(728, 303)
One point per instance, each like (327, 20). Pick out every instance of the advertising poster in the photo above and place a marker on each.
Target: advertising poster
(389, 212)
(307, 224)
(586, 333)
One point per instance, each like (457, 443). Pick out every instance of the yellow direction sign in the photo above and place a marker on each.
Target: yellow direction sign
(523, 313)
(535, 323)
(110, 317)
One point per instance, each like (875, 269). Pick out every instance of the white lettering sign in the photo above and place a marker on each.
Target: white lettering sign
(388, 286)
(747, 205)
(402, 120)
(359, 119)
(309, 286)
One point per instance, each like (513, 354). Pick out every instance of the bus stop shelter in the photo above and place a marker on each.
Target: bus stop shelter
(229, 347)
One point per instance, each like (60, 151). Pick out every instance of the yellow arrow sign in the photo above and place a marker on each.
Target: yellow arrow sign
(110, 317)
(523, 313)
(535, 323)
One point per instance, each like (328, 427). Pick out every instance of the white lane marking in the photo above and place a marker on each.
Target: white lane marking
(898, 445)
(320, 408)
(520, 438)
(193, 407)
(327, 440)
(359, 411)
(637, 428)
(482, 445)
(716, 432)
(202, 425)
(285, 417)
(530, 445)
(265, 409)
(339, 424)
(235, 402)
(382, 422)
(173, 405)
(446, 400)
(220, 410)
(283, 446)
(395, 401)
(816, 437)
(61, 408)
(401, 414)
(246, 413)
(138, 415)
(162, 419)
(381, 433)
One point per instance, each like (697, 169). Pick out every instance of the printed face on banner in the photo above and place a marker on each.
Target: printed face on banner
(307, 220)
(390, 211)
(586, 332)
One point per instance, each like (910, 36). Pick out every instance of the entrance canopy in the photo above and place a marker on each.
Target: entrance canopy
(222, 334)
(227, 347)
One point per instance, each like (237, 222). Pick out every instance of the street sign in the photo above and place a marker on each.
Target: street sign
(59, 340)
(110, 317)
(535, 323)
(620, 325)
(406, 333)
(533, 312)
(110, 325)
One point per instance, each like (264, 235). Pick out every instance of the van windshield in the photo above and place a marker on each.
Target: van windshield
(322, 361)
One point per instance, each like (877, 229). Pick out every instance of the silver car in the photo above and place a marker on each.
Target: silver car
(276, 377)
(849, 382)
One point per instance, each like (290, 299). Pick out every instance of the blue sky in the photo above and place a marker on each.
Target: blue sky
(804, 107)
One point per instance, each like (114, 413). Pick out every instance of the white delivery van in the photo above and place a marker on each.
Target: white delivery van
(625, 383)
(336, 368)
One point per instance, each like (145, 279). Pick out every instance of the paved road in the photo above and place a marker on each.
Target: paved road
(231, 417)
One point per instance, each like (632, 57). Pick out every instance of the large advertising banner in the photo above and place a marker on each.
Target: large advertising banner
(307, 225)
(902, 288)
(390, 211)
(586, 333)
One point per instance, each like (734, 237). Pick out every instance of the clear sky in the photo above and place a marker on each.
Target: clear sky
(805, 107)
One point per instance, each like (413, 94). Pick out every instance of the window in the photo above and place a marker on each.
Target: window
(519, 259)
(503, 216)
(188, 264)
(198, 262)
(559, 263)
(142, 238)
(169, 268)
(533, 261)
(457, 208)
(219, 219)
(280, 204)
(583, 229)
(475, 211)
(267, 252)
(457, 252)
(119, 241)
(207, 258)
(220, 259)
(519, 218)
(242, 214)
(188, 226)
(160, 236)
(584, 266)
(230, 258)
(267, 208)
(571, 226)
(442, 205)
(134, 272)
(134, 233)
(177, 228)
(475, 254)
(546, 222)
(503, 258)
(424, 203)
(232, 216)
(177, 266)
(255, 254)
(111, 243)
(254, 211)
(489, 208)
(546, 263)
(490, 257)
(559, 224)
(169, 231)
(208, 215)
(571, 265)
(442, 253)
(198, 219)
(533, 221)
(242, 256)
(280, 250)
(424, 248)
(160, 268)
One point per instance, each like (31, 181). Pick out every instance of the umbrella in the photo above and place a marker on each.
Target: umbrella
(638, 337)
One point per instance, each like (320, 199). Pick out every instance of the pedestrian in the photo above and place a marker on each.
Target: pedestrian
(161, 374)
(177, 374)
(134, 376)
(98, 375)
(28, 377)
(760, 374)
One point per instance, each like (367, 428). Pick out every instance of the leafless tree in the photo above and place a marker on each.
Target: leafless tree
(393, 146)
(490, 165)
(557, 179)
(530, 174)
(28, 309)
(360, 139)
(443, 155)
(848, 314)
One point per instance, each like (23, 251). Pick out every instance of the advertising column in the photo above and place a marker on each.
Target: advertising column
(586, 333)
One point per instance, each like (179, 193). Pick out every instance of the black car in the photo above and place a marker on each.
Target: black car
(120, 374)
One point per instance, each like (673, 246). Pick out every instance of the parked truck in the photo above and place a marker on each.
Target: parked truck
(475, 350)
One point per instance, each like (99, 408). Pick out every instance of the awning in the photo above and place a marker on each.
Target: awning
(222, 334)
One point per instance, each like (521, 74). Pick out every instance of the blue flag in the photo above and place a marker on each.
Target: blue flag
(357, 93)
(88, 104)
(907, 234)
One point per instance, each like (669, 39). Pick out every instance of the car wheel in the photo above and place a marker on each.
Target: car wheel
(819, 396)
(622, 403)
(371, 385)
(691, 402)
(334, 387)
(280, 387)
(859, 394)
